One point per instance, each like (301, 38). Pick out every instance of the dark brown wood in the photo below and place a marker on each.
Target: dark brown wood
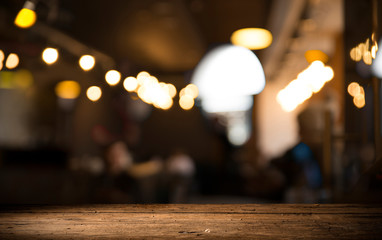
(226, 221)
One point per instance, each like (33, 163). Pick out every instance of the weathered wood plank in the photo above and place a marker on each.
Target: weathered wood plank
(227, 221)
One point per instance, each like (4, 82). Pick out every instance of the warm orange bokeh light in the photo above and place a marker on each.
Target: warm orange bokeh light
(252, 38)
(12, 61)
(68, 89)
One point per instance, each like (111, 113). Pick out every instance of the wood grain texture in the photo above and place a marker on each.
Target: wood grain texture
(224, 221)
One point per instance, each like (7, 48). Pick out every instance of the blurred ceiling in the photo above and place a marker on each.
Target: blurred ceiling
(171, 36)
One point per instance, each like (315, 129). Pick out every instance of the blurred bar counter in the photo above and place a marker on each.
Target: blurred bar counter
(192, 221)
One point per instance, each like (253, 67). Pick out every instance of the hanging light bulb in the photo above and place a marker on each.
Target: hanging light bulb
(27, 16)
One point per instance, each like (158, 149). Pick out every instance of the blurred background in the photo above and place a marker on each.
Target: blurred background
(160, 101)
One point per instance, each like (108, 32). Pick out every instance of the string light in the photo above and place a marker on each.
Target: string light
(27, 16)
(12, 61)
(94, 93)
(309, 81)
(87, 62)
(50, 55)
(113, 77)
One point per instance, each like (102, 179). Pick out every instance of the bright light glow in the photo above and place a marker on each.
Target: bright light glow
(252, 38)
(26, 17)
(358, 94)
(2, 56)
(356, 54)
(376, 67)
(94, 93)
(12, 61)
(130, 84)
(309, 81)
(316, 55)
(365, 51)
(191, 90)
(238, 134)
(113, 77)
(227, 104)
(1, 59)
(367, 58)
(50, 55)
(171, 90)
(186, 102)
(359, 101)
(228, 71)
(374, 50)
(353, 89)
(142, 77)
(68, 89)
(87, 62)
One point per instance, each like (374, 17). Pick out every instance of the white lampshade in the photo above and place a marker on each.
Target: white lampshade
(376, 67)
(228, 72)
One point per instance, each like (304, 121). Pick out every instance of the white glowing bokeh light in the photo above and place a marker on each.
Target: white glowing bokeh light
(309, 81)
(171, 90)
(186, 102)
(228, 71)
(113, 77)
(2, 56)
(142, 77)
(238, 134)
(50, 55)
(130, 84)
(376, 67)
(227, 104)
(87, 62)
(12, 61)
(94, 93)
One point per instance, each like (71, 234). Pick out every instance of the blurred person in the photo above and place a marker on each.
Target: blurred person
(299, 165)
(180, 171)
(125, 180)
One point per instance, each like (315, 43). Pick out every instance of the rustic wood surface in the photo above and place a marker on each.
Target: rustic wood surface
(192, 221)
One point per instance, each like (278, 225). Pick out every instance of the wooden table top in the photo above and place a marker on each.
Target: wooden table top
(192, 221)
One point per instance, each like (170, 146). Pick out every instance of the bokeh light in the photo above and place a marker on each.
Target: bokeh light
(171, 90)
(12, 61)
(228, 72)
(252, 38)
(191, 90)
(94, 93)
(2, 56)
(130, 84)
(87, 62)
(359, 101)
(376, 67)
(309, 81)
(186, 102)
(26, 17)
(365, 51)
(142, 77)
(353, 89)
(112, 77)
(50, 55)
(68, 89)
(316, 55)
